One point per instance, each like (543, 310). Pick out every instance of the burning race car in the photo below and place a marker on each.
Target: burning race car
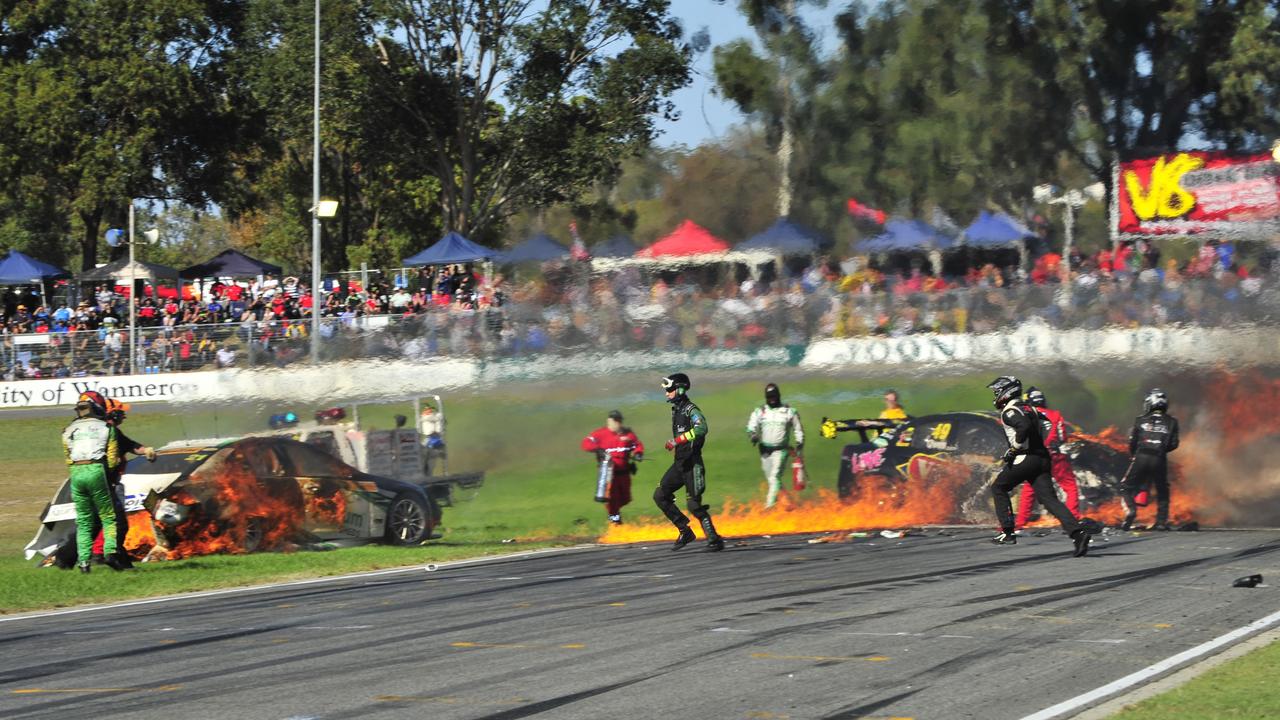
(245, 495)
(954, 457)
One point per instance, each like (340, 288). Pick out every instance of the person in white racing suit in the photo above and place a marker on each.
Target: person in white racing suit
(772, 428)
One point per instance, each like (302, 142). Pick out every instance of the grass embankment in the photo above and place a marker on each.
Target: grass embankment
(538, 485)
(1242, 689)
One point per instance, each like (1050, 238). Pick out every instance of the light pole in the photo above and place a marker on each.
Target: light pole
(315, 203)
(151, 236)
(1071, 200)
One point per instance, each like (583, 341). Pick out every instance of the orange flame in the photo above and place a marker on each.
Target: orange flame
(938, 491)
(935, 495)
(141, 536)
(236, 514)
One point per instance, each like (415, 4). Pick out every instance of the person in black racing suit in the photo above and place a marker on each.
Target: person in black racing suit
(689, 433)
(1154, 436)
(1026, 461)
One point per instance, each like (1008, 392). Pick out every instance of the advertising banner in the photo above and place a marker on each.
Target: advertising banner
(1188, 193)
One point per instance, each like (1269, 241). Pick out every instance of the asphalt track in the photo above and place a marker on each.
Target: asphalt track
(939, 626)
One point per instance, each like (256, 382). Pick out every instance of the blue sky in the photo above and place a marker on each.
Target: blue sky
(704, 115)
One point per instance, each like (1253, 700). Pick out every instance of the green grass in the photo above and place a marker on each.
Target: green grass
(1242, 689)
(538, 487)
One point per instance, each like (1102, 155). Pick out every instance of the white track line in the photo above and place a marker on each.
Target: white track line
(290, 583)
(1080, 701)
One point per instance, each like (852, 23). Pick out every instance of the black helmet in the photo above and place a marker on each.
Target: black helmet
(1035, 396)
(1155, 400)
(772, 395)
(676, 381)
(1005, 388)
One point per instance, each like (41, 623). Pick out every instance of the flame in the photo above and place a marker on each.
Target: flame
(331, 508)
(141, 536)
(236, 513)
(1229, 459)
(936, 494)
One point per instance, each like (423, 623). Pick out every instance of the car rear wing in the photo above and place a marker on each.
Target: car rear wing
(859, 425)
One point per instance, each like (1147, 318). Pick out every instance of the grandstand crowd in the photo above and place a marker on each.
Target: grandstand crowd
(455, 310)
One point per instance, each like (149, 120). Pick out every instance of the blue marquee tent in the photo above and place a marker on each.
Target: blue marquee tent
(617, 246)
(539, 248)
(18, 268)
(995, 230)
(786, 238)
(452, 248)
(902, 235)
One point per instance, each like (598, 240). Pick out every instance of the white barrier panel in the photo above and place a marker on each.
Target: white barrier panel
(1152, 346)
(301, 383)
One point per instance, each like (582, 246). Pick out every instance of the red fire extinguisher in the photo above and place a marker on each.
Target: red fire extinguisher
(799, 478)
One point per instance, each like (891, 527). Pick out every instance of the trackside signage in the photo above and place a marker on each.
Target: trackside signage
(138, 388)
(1085, 347)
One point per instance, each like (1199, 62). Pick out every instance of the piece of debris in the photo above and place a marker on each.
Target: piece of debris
(1190, 526)
(891, 534)
(1248, 581)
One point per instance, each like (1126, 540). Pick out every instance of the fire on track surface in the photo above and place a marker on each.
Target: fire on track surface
(939, 626)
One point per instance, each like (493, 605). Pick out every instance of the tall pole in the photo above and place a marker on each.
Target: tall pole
(315, 205)
(133, 300)
(1069, 220)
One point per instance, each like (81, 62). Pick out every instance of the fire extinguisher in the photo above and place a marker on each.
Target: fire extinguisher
(799, 478)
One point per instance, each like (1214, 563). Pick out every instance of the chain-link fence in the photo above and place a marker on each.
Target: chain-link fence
(608, 319)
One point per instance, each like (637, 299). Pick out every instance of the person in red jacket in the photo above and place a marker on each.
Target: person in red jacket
(622, 449)
(1055, 434)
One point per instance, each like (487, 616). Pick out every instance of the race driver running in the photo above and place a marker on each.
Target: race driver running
(1055, 434)
(689, 433)
(1026, 461)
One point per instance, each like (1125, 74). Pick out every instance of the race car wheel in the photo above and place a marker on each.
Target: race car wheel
(253, 532)
(409, 521)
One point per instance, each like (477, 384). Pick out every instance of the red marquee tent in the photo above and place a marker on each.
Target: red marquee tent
(689, 238)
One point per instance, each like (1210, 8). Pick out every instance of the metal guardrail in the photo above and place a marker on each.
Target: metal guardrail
(684, 319)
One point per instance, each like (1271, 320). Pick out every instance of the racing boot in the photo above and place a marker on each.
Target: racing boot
(1006, 537)
(84, 568)
(1081, 538)
(616, 518)
(97, 559)
(113, 561)
(686, 537)
(1128, 521)
(1161, 527)
(715, 543)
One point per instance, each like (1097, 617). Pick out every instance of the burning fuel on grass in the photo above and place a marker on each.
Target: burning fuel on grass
(1223, 475)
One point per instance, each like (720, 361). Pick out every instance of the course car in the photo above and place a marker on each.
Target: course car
(246, 495)
(963, 450)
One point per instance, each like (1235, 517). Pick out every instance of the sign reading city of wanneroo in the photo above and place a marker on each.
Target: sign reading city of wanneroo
(1187, 193)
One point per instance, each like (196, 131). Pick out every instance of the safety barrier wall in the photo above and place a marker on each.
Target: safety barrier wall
(370, 380)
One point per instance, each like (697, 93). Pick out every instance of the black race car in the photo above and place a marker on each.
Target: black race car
(247, 495)
(961, 450)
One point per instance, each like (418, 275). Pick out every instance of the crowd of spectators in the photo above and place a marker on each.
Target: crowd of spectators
(454, 310)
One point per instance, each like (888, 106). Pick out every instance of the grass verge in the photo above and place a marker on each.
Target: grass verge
(1241, 689)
